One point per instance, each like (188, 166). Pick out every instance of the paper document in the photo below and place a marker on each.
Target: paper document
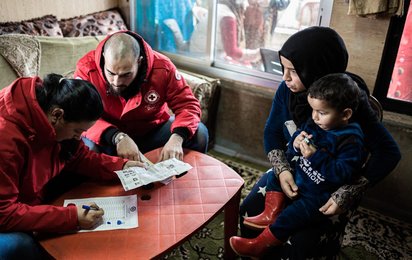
(135, 177)
(120, 212)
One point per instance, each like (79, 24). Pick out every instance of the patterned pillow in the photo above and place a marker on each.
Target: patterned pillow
(44, 26)
(100, 23)
(204, 89)
(48, 26)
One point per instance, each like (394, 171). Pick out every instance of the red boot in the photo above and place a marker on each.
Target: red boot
(254, 247)
(274, 204)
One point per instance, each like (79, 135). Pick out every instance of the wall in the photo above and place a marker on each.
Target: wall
(241, 116)
(392, 196)
(243, 110)
(124, 6)
(364, 39)
(12, 10)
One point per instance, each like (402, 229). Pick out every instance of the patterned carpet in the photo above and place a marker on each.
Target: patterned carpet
(368, 235)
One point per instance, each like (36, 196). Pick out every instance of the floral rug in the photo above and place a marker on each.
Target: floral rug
(386, 237)
(369, 235)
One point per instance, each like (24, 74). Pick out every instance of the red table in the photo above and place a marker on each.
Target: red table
(172, 214)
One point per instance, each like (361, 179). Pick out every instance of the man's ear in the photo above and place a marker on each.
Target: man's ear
(139, 60)
(347, 114)
(56, 114)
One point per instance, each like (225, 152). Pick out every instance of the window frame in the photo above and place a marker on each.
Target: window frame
(387, 64)
(211, 67)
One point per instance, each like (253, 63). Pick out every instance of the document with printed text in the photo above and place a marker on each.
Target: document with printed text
(120, 212)
(135, 177)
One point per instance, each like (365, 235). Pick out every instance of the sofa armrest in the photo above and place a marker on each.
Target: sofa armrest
(7, 74)
(207, 91)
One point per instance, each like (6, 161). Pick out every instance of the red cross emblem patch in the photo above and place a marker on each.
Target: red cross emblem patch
(151, 97)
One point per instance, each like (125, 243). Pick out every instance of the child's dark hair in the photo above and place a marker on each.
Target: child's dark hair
(78, 98)
(338, 89)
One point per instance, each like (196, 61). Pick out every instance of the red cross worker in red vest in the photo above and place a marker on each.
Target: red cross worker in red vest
(139, 87)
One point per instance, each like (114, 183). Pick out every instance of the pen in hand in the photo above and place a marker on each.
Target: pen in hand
(87, 207)
(89, 216)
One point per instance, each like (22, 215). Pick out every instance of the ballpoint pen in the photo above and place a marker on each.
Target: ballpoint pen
(86, 207)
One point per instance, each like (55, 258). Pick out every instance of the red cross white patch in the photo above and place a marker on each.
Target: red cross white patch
(151, 97)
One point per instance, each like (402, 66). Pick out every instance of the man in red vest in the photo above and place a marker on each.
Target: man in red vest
(138, 86)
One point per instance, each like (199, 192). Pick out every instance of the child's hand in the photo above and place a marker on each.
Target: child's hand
(301, 139)
(304, 144)
(288, 185)
(307, 149)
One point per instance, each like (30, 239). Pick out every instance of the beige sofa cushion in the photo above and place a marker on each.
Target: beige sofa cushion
(47, 55)
(60, 55)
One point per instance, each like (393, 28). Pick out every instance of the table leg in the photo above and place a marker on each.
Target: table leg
(231, 223)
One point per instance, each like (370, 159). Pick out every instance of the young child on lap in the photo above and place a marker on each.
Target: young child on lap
(325, 153)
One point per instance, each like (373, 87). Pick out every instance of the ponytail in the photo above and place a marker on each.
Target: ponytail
(78, 98)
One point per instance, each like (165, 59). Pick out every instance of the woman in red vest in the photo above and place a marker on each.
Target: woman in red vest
(41, 123)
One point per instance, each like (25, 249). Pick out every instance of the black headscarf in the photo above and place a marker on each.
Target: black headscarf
(314, 52)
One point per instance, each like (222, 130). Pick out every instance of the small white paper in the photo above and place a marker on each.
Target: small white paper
(291, 126)
(120, 212)
(135, 177)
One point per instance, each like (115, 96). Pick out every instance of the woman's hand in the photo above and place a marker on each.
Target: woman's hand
(288, 184)
(330, 208)
(89, 218)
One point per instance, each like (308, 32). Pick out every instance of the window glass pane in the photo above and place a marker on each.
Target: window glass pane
(165, 24)
(400, 87)
(247, 33)
(245, 27)
(200, 38)
(175, 26)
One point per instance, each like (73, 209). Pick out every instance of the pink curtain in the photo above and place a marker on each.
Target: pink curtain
(401, 83)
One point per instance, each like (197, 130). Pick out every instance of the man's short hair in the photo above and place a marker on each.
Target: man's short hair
(122, 44)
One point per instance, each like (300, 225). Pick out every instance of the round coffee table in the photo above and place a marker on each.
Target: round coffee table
(168, 214)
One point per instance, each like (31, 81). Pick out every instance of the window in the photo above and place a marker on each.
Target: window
(393, 85)
(236, 38)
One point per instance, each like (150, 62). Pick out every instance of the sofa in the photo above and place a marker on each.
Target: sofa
(39, 52)
(26, 55)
